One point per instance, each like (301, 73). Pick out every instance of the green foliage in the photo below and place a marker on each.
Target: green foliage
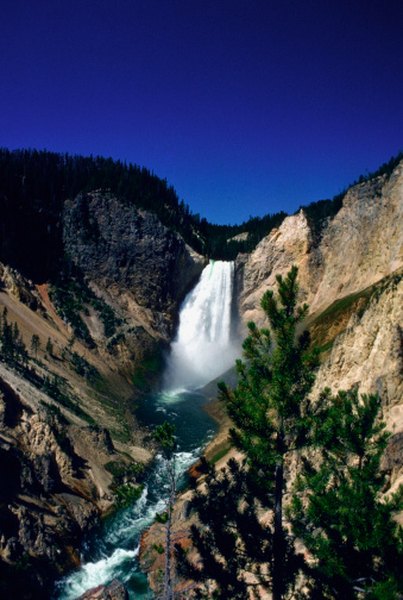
(72, 296)
(162, 517)
(318, 213)
(53, 386)
(34, 185)
(220, 454)
(125, 486)
(269, 406)
(13, 349)
(386, 168)
(164, 435)
(127, 494)
(271, 414)
(49, 347)
(35, 344)
(159, 548)
(328, 324)
(54, 412)
(145, 372)
(235, 547)
(218, 238)
(83, 368)
(122, 471)
(337, 508)
(114, 341)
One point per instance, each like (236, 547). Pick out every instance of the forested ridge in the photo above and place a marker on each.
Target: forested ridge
(34, 185)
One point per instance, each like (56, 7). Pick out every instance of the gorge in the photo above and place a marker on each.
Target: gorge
(99, 284)
(205, 347)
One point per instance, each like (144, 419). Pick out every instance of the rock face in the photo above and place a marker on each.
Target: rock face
(68, 435)
(47, 493)
(283, 247)
(369, 355)
(114, 591)
(115, 244)
(362, 244)
(352, 280)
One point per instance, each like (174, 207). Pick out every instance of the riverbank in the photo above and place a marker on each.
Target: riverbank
(218, 450)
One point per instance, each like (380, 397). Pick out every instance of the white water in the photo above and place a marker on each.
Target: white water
(204, 347)
(202, 351)
(116, 559)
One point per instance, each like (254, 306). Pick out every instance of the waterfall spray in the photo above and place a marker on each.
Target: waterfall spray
(204, 348)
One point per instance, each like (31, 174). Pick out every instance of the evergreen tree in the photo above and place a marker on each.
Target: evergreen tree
(7, 339)
(354, 545)
(49, 347)
(271, 414)
(35, 344)
(12, 344)
(338, 510)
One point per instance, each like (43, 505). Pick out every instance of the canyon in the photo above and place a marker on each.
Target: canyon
(71, 444)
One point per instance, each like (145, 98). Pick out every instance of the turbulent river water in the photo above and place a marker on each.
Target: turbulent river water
(203, 349)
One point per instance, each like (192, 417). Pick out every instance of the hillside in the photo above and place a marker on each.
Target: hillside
(352, 280)
(78, 348)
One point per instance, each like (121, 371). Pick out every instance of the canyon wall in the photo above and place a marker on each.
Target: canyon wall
(358, 247)
(77, 351)
(351, 277)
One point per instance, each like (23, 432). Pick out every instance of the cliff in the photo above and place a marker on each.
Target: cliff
(351, 277)
(131, 256)
(89, 304)
(77, 351)
(359, 246)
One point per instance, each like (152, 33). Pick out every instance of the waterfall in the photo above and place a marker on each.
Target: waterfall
(204, 347)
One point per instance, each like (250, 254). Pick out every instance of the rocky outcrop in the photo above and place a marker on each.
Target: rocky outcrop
(115, 244)
(256, 273)
(351, 277)
(114, 591)
(369, 355)
(361, 245)
(54, 485)
(39, 468)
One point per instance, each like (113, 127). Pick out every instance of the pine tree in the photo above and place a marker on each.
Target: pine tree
(7, 339)
(49, 347)
(271, 413)
(35, 344)
(337, 507)
(353, 544)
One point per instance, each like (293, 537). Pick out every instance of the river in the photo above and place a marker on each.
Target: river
(204, 348)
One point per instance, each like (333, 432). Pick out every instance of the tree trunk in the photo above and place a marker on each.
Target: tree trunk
(168, 585)
(278, 536)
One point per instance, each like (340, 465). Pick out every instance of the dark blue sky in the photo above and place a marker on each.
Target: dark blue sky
(245, 106)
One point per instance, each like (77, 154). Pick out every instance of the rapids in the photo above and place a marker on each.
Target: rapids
(205, 347)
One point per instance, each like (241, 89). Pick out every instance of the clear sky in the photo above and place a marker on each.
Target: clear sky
(245, 106)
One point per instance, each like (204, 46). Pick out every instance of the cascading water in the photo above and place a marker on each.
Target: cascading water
(204, 348)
